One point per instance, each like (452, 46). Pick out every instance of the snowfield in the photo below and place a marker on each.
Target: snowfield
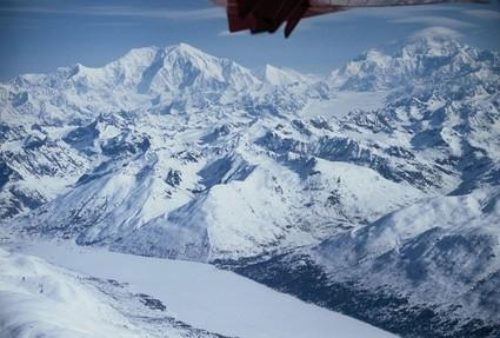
(39, 299)
(60, 303)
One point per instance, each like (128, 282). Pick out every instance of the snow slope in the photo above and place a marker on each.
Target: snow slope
(40, 299)
(439, 249)
(197, 294)
(434, 265)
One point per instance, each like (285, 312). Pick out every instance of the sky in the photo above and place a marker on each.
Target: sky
(38, 36)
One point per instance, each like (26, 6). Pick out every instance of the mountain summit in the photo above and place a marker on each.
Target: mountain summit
(143, 77)
(432, 55)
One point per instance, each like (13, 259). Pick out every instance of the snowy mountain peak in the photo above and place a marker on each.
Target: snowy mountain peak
(153, 54)
(184, 66)
(433, 54)
(169, 64)
(434, 42)
(187, 49)
(137, 56)
(143, 77)
(283, 77)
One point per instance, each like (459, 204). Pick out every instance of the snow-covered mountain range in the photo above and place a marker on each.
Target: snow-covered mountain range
(381, 177)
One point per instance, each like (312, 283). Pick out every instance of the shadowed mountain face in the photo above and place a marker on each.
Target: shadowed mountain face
(380, 180)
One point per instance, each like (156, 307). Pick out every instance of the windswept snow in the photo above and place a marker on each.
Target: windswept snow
(197, 294)
(38, 299)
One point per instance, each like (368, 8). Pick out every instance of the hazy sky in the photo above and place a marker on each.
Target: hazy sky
(41, 35)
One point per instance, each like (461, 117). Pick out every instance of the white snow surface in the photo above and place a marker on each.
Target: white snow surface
(198, 294)
(439, 249)
(38, 299)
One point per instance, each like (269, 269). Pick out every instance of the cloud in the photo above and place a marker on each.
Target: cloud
(391, 12)
(227, 33)
(433, 20)
(436, 32)
(483, 14)
(122, 11)
(425, 14)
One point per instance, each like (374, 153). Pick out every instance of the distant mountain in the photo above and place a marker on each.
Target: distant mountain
(141, 79)
(428, 58)
(171, 152)
(282, 77)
